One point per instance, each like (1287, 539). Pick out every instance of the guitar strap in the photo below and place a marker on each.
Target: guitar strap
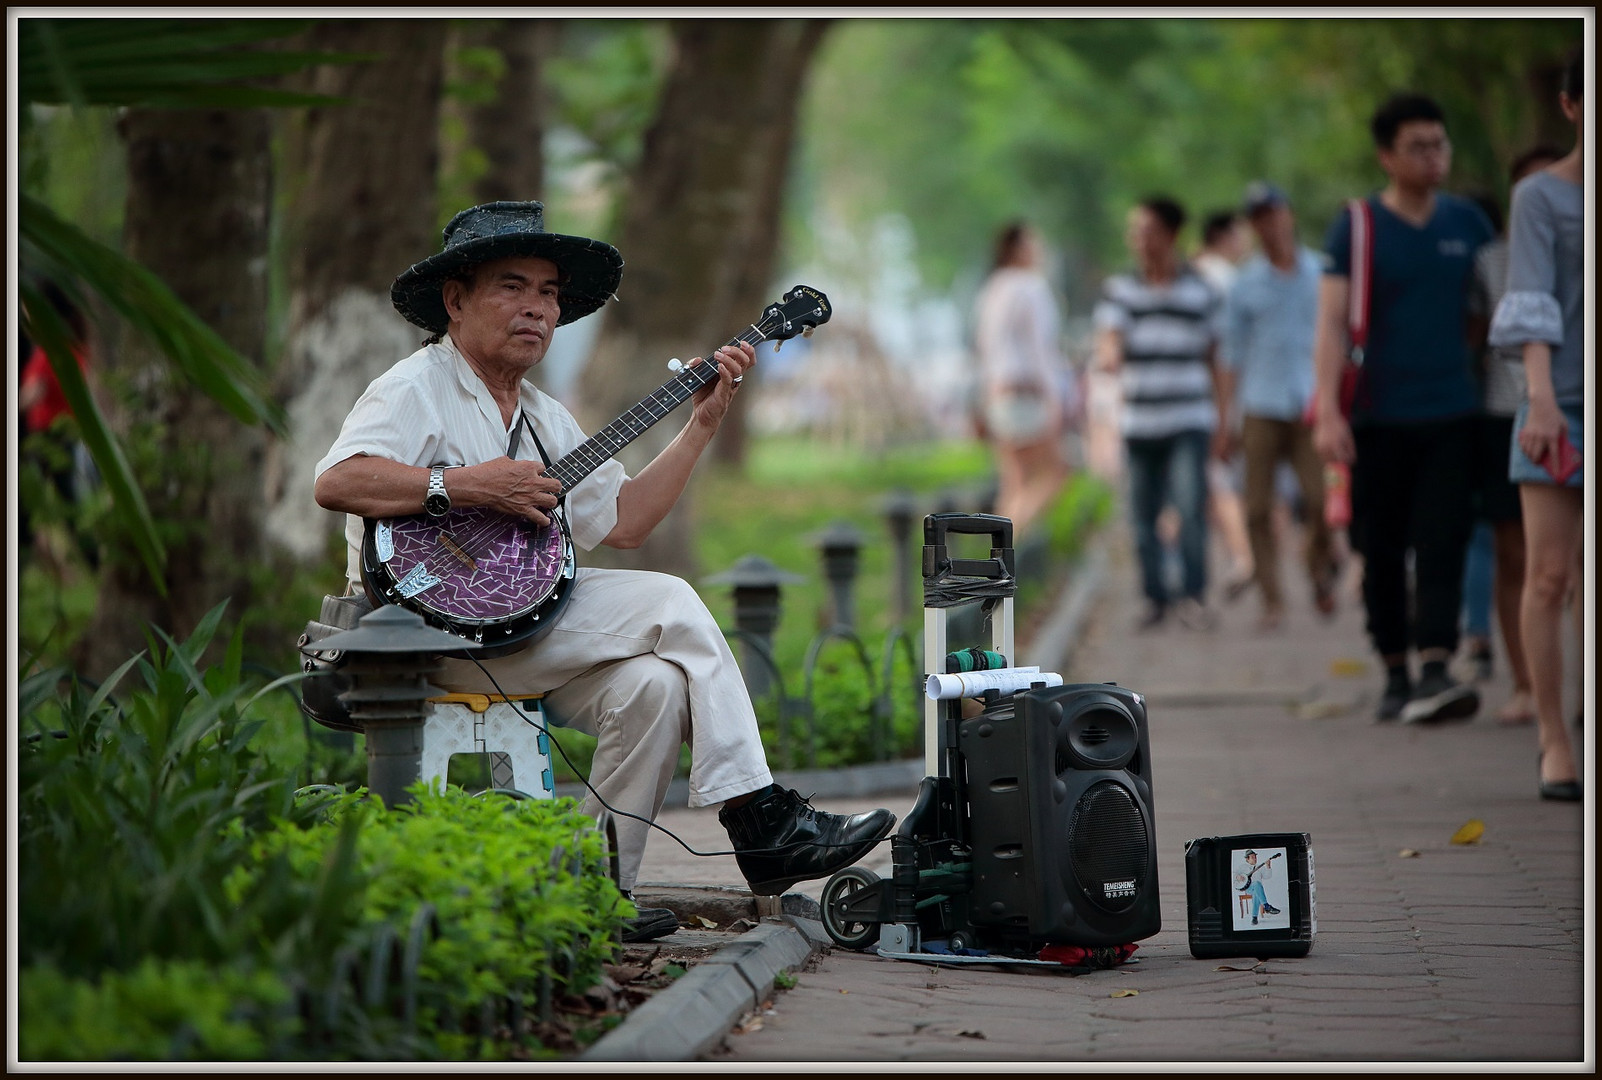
(516, 440)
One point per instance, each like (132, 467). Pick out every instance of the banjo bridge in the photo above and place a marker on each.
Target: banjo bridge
(456, 551)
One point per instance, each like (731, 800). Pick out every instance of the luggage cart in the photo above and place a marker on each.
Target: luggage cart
(949, 900)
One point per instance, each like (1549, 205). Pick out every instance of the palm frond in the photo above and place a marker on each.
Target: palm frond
(200, 355)
(161, 63)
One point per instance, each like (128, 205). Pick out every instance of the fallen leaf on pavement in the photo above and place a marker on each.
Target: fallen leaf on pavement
(1347, 666)
(1470, 833)
(1407, 853)
(1323, 710)
(1123, 993)
(1226, 967)
(706, 922)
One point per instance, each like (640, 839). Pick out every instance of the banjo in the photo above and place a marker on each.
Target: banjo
(500, 581)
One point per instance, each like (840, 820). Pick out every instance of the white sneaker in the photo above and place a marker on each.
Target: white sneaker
(1439, 698)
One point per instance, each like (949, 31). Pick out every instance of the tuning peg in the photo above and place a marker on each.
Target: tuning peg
(675, 364)
(778, 344)
(808, 331)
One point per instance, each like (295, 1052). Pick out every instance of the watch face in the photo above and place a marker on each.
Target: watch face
(437, 505)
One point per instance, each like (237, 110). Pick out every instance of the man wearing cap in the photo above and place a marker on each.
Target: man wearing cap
(635, 659)
(1410, 439)
(1267, 365)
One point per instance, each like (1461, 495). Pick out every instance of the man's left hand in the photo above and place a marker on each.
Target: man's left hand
(712, 401)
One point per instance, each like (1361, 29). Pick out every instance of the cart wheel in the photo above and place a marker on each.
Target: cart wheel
(845, 932)
(961, 940)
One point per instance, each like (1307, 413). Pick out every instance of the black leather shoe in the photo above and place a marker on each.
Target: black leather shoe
(650, 924)
(781, 838)
(1559, 790)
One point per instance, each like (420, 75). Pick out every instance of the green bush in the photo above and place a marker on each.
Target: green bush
(132, 806)
(179, 898)
(520, 887)
(159, 1010)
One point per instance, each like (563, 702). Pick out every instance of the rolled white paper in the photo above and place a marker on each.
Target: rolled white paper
(973, 683)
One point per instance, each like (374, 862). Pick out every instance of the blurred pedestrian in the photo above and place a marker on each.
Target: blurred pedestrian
(1158, 326)
(1413, 419)
(1543, 312)
(1493, 574)
(50, 444)
(1270, 316)
(1226, 242)
(1024, 377)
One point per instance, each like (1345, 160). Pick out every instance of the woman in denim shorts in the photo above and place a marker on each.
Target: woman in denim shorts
(1543, 312)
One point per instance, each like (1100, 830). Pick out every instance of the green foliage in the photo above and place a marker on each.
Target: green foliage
(160, 63)
(159, 1010)
(520, 887)
(149, 792)
(179, 896)
(604, 84)
(1067, 121)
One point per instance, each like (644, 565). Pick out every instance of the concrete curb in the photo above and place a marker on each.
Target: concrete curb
(692, 1016)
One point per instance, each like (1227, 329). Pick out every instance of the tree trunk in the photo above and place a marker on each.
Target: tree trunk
(699, 229)
(197, 215)
(362, 208)
(509, 129)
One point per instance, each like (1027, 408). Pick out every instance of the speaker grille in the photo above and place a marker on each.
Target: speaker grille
(1107, 846)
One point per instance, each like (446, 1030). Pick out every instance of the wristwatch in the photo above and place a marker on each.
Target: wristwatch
(437, 502)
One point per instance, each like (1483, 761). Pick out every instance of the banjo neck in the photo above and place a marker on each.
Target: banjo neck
(571, 468)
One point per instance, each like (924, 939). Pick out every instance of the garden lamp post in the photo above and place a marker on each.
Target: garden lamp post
(756, 584)
(841, 545)
(899, 509)
(389, 657)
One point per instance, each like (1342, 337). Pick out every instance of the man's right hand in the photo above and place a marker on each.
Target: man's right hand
(519, 488)
(1332, 437)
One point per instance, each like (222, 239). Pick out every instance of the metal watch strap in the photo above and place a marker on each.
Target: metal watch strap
(436, 486)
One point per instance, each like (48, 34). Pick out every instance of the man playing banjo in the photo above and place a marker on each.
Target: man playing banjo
(635, 658)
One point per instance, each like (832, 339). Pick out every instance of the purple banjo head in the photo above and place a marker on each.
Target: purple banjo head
(474, 565)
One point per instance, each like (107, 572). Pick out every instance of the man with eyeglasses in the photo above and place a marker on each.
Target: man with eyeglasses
(1410, 434)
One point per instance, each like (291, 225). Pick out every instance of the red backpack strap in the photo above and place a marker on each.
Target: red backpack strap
(1362, 275)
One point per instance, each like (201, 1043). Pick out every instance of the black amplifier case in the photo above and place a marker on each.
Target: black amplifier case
(1064, 849)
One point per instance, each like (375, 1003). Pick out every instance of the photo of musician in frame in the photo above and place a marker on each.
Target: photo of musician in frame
(1259, 881)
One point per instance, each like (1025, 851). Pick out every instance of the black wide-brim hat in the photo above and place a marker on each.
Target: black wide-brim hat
(498, 230)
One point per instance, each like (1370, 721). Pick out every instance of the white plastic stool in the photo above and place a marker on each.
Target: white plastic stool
(493, 725)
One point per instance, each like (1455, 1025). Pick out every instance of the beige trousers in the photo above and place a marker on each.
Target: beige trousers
(1264, 444)
(637, 661)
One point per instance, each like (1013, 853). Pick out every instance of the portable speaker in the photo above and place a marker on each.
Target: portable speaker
(1060, 806)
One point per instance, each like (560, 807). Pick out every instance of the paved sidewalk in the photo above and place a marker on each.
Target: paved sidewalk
(1455, 954)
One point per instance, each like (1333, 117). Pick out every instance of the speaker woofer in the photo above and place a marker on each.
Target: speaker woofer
(1108, 847)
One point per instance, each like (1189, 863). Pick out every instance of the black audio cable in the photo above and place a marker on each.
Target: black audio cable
(624, 813)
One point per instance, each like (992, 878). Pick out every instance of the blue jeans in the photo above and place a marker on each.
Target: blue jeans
(1171, 469)
(1479, 569)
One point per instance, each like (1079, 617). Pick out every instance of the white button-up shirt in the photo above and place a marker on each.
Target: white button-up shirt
(433, 409)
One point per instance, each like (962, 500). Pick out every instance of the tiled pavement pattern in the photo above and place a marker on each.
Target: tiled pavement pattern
(1456, 954)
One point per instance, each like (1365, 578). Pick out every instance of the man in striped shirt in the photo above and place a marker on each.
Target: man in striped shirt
(1159, 326)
